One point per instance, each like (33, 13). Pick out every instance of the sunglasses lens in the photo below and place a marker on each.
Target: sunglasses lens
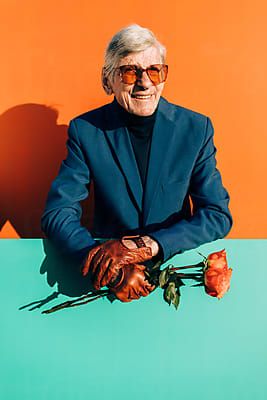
(157, 73)
(128, 75)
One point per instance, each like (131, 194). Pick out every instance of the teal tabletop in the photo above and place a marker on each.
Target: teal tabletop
(145, 349)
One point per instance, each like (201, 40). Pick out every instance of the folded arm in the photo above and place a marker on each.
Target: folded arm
(211, 219)
(61, 219)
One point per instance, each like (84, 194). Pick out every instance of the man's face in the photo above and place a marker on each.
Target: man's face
(142, 97)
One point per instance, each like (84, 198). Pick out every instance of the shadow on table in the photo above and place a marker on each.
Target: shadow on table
(63, 272)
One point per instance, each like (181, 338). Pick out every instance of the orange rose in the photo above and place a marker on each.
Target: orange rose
(217, 275)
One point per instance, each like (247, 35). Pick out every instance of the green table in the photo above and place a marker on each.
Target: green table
(208, 349)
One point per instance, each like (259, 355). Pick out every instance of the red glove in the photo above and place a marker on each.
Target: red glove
(133, 284)
(105, 260)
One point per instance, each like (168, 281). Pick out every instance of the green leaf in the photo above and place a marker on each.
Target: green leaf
(172, 290)
(176, 300)
(168, 293)
(156, 266)
(166, 297)
(172, 295)
(164, 276)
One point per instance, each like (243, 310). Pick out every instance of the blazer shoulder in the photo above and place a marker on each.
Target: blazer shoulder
(93, 117)
(190, 123)
(175, 112)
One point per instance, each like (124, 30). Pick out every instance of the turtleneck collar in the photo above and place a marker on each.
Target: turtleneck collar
(133, 120)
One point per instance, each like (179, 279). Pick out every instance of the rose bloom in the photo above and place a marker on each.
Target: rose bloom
(217, 275)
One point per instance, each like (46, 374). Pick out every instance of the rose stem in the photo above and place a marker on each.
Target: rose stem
(189, 276)
(187, 266)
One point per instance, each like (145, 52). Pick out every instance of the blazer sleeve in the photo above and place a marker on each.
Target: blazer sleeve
(211, 219)
(61, 218)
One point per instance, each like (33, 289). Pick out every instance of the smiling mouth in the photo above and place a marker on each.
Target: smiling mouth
(141, 96)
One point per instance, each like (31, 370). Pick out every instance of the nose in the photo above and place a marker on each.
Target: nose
(143, 79)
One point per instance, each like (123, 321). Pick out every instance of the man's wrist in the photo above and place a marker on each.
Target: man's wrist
(148, 241)
(153, 244)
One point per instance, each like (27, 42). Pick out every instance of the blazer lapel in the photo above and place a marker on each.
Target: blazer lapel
(161, 144)
(118, 137)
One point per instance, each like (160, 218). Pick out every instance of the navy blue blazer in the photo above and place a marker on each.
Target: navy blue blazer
(181, 164)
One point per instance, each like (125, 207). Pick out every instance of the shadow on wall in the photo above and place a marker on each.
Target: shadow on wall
(32, 148)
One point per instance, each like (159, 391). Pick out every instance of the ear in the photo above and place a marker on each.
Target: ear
(106, 83)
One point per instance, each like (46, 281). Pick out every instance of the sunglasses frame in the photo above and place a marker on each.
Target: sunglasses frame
(139, 72)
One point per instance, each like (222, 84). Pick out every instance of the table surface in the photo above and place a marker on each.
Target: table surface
(139, 350)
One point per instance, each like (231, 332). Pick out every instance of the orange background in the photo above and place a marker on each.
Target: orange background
(51, 57)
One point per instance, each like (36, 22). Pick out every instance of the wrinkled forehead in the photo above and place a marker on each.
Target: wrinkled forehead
(143, 59)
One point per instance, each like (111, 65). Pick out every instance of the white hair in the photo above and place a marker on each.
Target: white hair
(131, 39)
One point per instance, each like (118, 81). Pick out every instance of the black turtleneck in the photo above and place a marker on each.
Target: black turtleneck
(140, 129)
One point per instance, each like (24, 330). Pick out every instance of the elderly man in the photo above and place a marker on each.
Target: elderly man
(154, 172)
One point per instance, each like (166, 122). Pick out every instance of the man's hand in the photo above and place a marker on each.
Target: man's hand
(106, 259)
(133, 284)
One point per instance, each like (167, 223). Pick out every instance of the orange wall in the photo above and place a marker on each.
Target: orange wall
(51, 56)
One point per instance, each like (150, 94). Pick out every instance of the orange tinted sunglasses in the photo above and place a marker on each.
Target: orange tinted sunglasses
(157, 73)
